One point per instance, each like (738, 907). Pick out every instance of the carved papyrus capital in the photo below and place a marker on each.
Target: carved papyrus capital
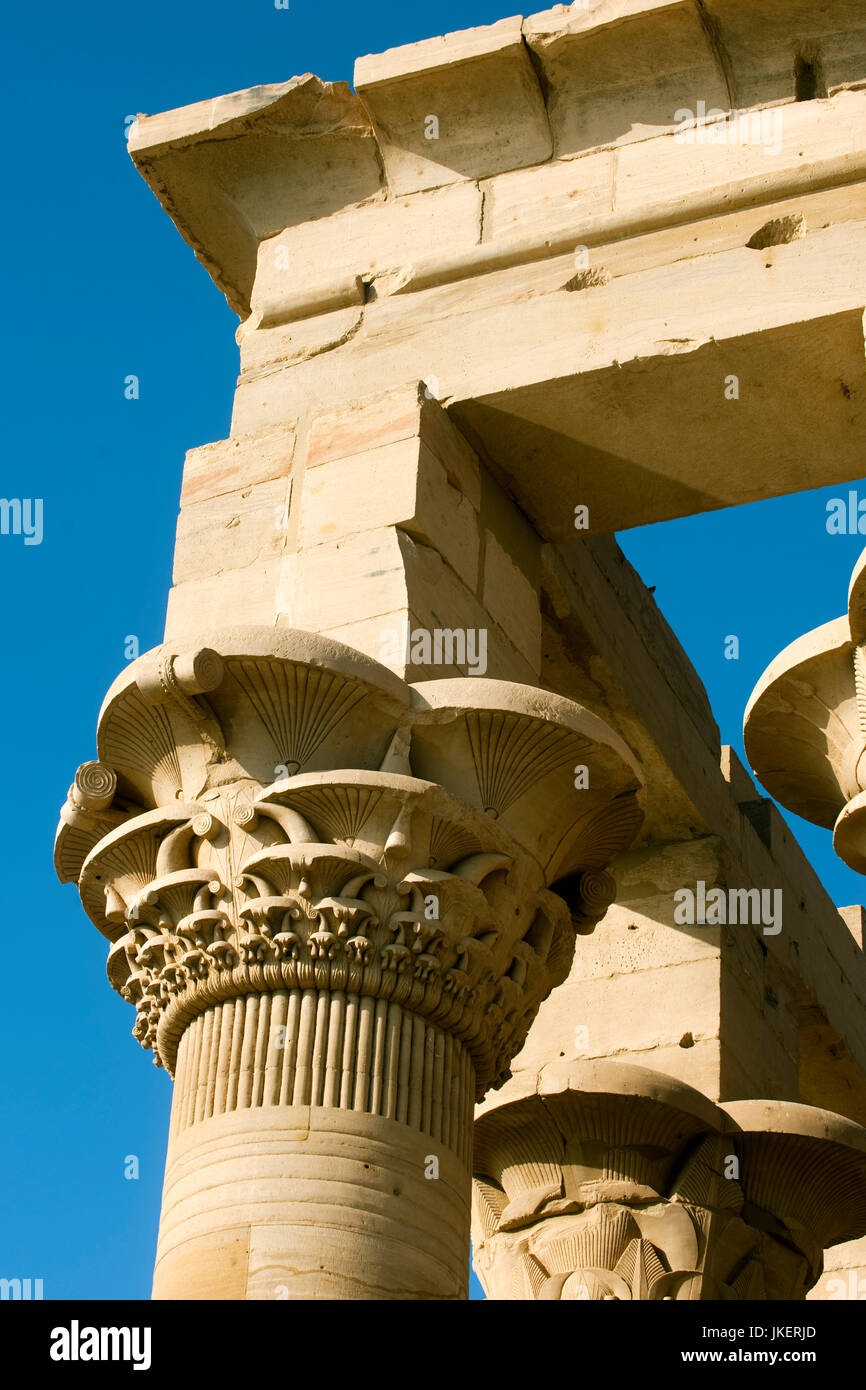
(602, 1180)
(286, 815)
(805, 726)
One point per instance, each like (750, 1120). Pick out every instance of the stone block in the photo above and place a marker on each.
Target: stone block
(398, 484)
(511, 600)
(215, 1263)
(844, 1275)
(231, 531)
(314, 267)
(349, 580)
(354, 589)
(552, 201)
(253, 593)
(480, 88)
(279, 154)
(628, 1016)
(614, 83)
(404, 412)
(239, 462)
(741, 784)
(777, 147)
(769, 47)
(854, 919)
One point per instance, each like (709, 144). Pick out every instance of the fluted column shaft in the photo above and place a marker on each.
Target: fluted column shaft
(319, 1148)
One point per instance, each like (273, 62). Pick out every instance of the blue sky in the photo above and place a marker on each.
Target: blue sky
(99, 285)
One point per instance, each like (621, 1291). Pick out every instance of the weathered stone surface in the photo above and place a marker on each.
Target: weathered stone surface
(231, 531)
(770, 51)
(479, 86)
(408, 412)
(262, 148)
(610, 83)
(553, 201)
(399, 484)
(232, 464)
(318, 266)
(844, 1277)
(257, 592)
(519, 292)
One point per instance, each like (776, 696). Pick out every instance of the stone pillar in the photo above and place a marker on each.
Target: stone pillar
(601, 1180)
(336, 901)
(340, 852)
(374, 523)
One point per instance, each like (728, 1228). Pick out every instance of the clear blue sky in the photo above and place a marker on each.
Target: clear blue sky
(100, 285)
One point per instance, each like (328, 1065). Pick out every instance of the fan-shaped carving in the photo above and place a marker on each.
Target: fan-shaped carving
(597, 837)
(702, 1179)
(490, 1202)
(449, 842)
(338, 812)
(595, 1241)
(299, 706)
(137, 740)
(512, 753)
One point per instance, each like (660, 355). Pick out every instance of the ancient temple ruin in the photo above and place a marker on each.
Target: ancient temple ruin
(391, 839)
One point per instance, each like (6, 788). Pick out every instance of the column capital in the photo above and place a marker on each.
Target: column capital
(805, 726)
(602, 1180)
(274, 811)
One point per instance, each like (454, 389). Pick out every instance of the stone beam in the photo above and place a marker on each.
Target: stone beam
(563, 255)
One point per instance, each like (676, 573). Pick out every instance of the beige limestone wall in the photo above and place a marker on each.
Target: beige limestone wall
(802, 991)
(232, 531)
(698, 1003)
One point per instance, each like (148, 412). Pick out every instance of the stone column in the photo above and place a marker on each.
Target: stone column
(805, 737)
(602, 1180)
(336, 901)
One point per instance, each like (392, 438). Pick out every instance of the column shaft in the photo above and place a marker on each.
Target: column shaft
(319, 1148)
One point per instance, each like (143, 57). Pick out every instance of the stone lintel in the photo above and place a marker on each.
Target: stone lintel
(505, 97)
(601, 437)
(265, 150)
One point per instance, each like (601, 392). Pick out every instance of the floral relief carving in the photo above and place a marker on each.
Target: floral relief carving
(605, 1181)
(341, 875)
